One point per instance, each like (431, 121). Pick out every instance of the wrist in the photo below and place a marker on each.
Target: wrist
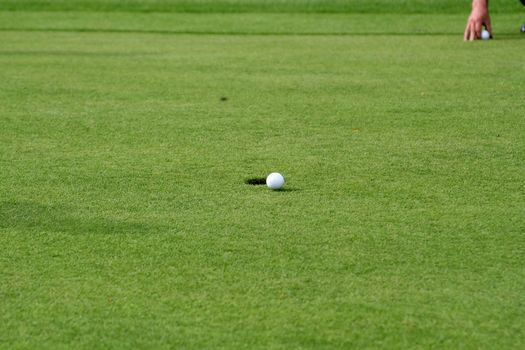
(480, 4)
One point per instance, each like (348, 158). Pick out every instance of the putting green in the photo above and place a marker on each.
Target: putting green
(127, 138)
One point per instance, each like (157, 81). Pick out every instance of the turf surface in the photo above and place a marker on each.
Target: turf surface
(127, 138)
(264, 6)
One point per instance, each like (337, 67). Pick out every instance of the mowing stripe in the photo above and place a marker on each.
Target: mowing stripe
(190, 32)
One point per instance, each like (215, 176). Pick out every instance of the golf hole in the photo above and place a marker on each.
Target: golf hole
(256, 181)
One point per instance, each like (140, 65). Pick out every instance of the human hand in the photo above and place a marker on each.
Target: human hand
(478, 17)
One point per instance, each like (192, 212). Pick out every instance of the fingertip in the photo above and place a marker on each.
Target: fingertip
(466, 34)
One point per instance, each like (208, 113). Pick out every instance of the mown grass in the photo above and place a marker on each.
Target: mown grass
(279, 6)
(125, 221)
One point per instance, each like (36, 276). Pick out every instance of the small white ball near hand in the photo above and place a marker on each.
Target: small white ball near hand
(275, 181)
(485, 35)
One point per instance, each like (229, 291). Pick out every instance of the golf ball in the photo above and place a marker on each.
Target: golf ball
(485, 35)
(522, 29)
(275, 181)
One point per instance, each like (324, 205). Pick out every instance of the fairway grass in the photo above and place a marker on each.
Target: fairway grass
(126, 140)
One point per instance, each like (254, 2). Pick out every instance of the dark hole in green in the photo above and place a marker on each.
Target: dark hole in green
(256, 181)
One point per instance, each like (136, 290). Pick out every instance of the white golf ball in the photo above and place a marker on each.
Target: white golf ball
(485, 35)
(275, 181)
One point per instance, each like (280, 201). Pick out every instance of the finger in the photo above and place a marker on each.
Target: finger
(466, 34)
(477, 30)
(488, 26)
(472, 33)
(468, 31)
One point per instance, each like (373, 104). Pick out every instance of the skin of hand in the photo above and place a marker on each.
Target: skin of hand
(479, 17)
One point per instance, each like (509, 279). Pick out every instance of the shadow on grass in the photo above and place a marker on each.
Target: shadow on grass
(235, 33)
(31, 216)
(287, 189)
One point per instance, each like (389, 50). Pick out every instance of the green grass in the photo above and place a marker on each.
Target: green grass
(125, 221)
(279, 6)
